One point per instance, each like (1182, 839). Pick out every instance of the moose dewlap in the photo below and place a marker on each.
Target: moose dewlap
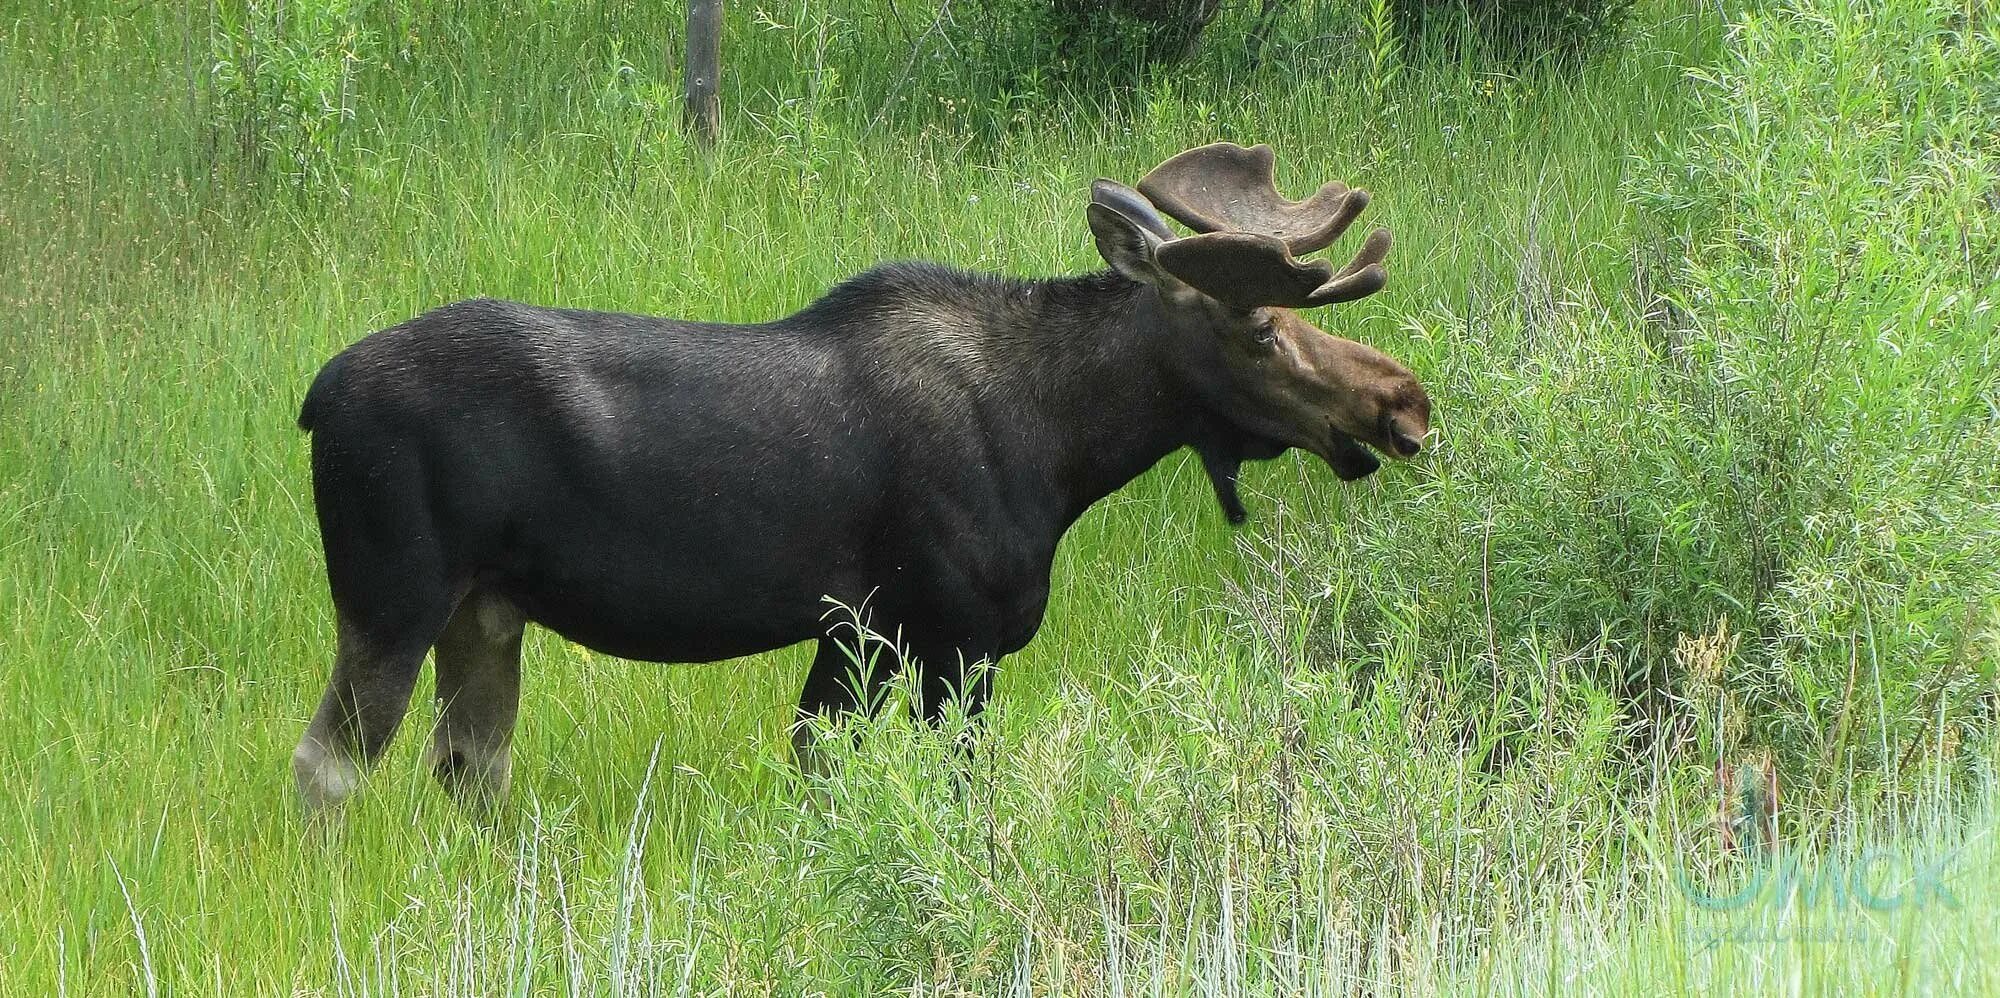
(916, 443)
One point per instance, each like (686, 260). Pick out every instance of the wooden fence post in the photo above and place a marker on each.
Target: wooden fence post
(704, 69)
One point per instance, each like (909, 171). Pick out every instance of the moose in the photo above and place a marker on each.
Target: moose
(916, 442)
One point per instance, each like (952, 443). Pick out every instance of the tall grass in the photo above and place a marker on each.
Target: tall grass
(1710, 330)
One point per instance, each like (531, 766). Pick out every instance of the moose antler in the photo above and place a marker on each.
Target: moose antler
(1250, 235)
(1223, 187)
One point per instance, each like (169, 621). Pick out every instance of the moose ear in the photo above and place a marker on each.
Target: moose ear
(1128, 244)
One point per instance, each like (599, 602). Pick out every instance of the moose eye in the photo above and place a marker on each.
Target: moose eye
(1265, 332)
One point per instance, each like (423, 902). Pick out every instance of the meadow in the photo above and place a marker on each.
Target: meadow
(1710, 325)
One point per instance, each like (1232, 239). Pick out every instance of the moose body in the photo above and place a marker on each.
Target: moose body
(913, 446)
(683, 492)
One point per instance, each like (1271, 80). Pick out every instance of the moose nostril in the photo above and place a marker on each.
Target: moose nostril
(1407, 445)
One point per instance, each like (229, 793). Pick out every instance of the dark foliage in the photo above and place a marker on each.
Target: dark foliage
(1561, 31)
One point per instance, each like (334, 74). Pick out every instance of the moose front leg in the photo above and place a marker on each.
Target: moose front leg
(845, 676)
(947, 675)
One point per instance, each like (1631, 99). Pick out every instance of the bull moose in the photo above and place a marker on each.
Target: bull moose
(917, 442)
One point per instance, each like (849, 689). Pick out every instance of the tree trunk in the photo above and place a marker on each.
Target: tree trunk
(704, 69)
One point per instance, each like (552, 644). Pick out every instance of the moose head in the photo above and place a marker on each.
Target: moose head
(1231, 292)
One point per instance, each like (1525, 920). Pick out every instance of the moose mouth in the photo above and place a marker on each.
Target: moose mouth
(1223, 457)
(1348, 459)
(1352, 461)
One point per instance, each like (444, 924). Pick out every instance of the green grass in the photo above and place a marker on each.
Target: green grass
(1710, 327)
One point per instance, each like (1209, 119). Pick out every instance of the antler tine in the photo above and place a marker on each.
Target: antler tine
(1363, 276)
(1224, 187)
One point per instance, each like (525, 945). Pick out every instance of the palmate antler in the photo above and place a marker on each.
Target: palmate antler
(1224, 187)
(1249, 234)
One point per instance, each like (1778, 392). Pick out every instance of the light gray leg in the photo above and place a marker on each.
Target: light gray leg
(479, 696)
(360, 711)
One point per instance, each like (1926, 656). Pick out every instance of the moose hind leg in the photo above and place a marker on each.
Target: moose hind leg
(392, 592)
(363, 705)
(479, 696)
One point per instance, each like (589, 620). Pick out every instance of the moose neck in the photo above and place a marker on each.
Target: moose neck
(1069, 381)
(1090, 383)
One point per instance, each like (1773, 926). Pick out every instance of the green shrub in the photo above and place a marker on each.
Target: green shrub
(1787, 434)
(1839, 363)
(282, 79)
